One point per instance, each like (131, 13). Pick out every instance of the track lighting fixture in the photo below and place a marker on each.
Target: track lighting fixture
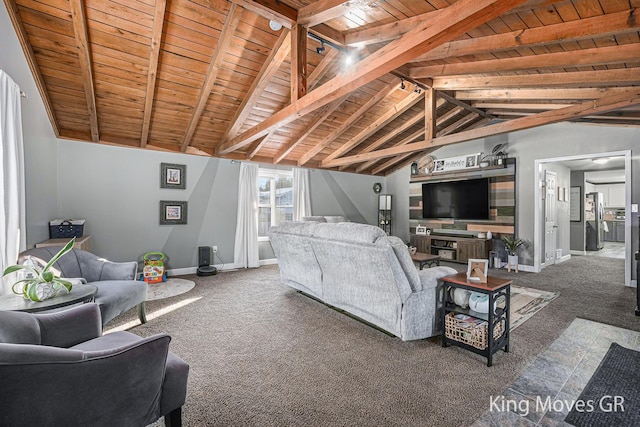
(402, 86)
(321, 48)
(417, 89)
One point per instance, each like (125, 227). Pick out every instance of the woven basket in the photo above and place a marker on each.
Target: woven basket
(473, 335)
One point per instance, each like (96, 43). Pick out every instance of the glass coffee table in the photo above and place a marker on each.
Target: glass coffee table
(78, 294)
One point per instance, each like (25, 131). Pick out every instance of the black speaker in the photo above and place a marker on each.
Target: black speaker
(204, 256)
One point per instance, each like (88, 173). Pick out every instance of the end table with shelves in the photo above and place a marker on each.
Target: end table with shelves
(497, 319)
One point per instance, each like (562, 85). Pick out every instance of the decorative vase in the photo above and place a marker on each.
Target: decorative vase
(489, 235)
(43, 291)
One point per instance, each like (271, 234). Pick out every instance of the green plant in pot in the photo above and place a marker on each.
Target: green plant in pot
(512, 244)
(41, 283)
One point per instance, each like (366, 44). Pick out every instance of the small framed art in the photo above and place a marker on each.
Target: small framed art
(173, 176)
(173, 212)
(477, 270)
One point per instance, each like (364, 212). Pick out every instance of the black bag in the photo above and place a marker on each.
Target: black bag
(65, 229)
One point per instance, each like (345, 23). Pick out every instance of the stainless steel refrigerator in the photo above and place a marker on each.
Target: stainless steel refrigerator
(594, 217)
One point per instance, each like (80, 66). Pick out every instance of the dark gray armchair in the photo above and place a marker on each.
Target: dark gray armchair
(118, 289)
(57, 369)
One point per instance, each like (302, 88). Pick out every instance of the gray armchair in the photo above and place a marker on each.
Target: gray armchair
(118, 289)
(57, 369)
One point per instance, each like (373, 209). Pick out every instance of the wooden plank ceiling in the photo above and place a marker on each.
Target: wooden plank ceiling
(361, 85)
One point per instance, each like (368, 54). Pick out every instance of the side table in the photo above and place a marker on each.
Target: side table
(83, 242)
(425, 259)
(78, 294)
(497, 317)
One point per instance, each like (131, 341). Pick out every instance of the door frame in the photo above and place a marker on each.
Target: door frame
(537, 265)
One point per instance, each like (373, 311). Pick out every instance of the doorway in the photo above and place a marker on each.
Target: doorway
(552, 245)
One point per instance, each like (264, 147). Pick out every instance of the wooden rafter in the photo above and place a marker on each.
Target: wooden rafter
(456, 101)
(233, 17)
(322, 11)
(460, 123)
(456, 19)
(450, 114)
(383, 119)
(624, 76)
(380, 95)
(388, 137)
(325, 112)
(14, 15)
(394, 161)
(270, 67)
(84, 57)
(386, 32)
(527, 94)
(154, 55)
(298, 62)
(430, 108)
(322, 68)
(575, 58)
(583, 109)
(271, 9)
(257, 146)
(599, 26)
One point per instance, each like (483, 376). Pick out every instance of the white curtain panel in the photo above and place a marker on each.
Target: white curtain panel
(246, 247)
(12, 210)
(301, 198)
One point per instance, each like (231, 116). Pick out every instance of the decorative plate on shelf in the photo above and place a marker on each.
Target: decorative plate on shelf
(426, 165)
(377, 188)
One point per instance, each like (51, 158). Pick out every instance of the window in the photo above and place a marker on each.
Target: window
(275, 199)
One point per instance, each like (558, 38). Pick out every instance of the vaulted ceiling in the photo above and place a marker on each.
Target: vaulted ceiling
(360, 85)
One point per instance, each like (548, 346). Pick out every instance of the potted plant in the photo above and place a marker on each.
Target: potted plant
(511, 244)
(40, 283)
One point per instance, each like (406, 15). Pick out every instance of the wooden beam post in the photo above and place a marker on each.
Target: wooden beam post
(429, 113)
(298, 62)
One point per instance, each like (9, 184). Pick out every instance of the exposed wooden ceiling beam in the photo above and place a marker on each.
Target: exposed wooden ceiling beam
(328, 33)
(450, 114)
(298, 62)
(383, 119)
(325, 112)
(455, 20)
(415, 135)
(430, 108)
(456, 101)
(154, 55)
(623, 76)
(582, 57)
(322, 68)
(270, 67)
(380, 95)
(322, 11)
(273, 10)
(459, 123)
(84, 58)
(526, 94)
(230, 24)
(586, 108)
(520, 106)
(580, 29)
(386, 32)
(257, 146)
(14, 15)
(397, 163)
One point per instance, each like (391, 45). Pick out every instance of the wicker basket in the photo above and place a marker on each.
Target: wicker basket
(470, 334)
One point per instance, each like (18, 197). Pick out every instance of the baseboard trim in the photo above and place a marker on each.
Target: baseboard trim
(563, 259)
(572, 252)
(220, 267)
(270, 261)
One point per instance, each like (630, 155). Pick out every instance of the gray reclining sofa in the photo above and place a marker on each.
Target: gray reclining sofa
(118, 291)
(359, 269)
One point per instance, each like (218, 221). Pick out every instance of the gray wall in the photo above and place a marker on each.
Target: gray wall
(558, 140)
(40, 143)
(117, 190)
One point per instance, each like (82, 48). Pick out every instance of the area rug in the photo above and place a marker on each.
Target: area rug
(170, 288)
(614, 382)
(525, 302)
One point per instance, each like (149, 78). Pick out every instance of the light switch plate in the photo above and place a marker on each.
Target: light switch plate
(634, 207)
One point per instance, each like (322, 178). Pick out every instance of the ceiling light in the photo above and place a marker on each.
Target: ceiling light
(321, 48)
(600, 160)
(402, 86)
(349, 59)
(275, 26)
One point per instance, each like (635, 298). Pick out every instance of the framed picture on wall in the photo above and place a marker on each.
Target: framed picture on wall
(172, 212)
(173, 176)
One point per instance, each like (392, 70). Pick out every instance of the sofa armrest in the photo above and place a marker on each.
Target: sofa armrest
(119, 271)
(70, 327)
(430, 276)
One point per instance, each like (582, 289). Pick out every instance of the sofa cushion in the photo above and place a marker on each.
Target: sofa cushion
(404, 258)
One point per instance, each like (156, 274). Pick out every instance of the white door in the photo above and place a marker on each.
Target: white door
(550, 221)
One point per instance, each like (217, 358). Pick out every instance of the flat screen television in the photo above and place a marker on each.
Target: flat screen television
(466, 199)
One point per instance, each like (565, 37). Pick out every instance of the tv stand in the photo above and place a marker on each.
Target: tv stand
(452, 248)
